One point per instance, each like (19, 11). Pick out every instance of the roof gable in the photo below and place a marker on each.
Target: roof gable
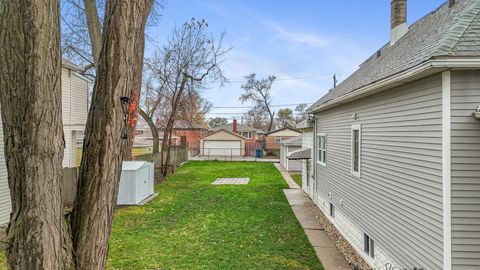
(225, 131)
(282, 129)
(444, 32)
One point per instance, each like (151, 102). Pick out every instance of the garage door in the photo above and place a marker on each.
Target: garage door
(222, 148)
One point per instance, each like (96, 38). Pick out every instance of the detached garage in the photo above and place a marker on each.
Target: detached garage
(222, 143)
(287, 147)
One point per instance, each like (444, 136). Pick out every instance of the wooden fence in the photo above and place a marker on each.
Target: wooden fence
(178, 155)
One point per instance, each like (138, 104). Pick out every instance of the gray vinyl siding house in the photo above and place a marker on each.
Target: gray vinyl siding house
(397, 150)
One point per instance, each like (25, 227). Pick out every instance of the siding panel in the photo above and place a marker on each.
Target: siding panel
(398, 198)
(5, 205)
(465, 171)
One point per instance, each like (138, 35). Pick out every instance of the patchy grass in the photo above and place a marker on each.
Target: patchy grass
(297, 177)
(195, 225)
(3, 260)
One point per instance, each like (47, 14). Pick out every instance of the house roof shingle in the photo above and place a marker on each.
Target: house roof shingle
(447, 31)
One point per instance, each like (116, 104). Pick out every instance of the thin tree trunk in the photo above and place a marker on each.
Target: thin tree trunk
(94, 28)
(153, 129)
(272, 116)
(136, 90)
(100, 167)
(30, 96)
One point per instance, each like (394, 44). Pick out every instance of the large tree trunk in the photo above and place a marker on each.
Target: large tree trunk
(30, 96)
(153, 129)
(100, 167)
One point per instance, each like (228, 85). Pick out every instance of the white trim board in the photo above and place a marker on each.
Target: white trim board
(446, 170)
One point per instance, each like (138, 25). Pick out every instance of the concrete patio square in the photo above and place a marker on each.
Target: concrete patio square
(231, 181)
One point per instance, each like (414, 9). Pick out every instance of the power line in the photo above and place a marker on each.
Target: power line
(276, 105)
(286, 79)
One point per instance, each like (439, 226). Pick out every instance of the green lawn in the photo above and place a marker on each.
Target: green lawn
(195, 225)
(297, 178)
(3, 261)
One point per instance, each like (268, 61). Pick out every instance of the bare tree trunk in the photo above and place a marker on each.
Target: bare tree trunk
(270, 124)
(31, 104)
(153, 129)
(94, 28)
(100, 167)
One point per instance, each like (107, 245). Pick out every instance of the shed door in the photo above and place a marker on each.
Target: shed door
(222, 148)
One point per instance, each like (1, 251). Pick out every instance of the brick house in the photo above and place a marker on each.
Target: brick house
(187, 133)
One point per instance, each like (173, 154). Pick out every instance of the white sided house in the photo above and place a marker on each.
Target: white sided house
(305, 154)
(74, 114)
(397, 145)
(286, 147)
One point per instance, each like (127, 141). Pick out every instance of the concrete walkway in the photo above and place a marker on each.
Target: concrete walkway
(326, 251)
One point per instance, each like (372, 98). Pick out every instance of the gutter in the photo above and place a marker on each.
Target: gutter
(430, 67)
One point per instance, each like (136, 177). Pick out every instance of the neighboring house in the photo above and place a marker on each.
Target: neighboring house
(397, 151)
(188, 134)
(74, 116)
(304, 155)
(273, 138)
(250, 134)
(286, 147)
(222, 143)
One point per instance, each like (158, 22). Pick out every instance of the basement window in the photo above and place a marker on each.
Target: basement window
(332, 210)
(369, 245)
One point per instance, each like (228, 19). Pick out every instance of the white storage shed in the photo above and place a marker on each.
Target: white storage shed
(136, 182)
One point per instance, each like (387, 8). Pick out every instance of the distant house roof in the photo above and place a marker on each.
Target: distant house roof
(304, 124)
(223, 130)
(294, 141)
(186, 125)
(280, 129)
(446, 31)
(67, 64)
(240, 128)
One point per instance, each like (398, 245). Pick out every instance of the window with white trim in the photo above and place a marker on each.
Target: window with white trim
(247, 134)
(277, 139)
(322, 149)
(356, 148)
(369, 245)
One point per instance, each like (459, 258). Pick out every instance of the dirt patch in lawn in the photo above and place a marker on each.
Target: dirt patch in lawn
(345, 248)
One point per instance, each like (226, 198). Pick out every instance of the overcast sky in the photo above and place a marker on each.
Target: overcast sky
(303, 43)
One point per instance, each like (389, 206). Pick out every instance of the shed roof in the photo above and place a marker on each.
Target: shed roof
(447, 31)
(294, 141)
(304, 153)
(133, 165)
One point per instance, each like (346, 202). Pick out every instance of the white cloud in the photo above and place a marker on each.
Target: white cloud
(297, 37)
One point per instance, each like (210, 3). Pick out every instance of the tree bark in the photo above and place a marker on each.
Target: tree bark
(136, 89)
(153, 129)
(100, 168)
(94, 28)
(30, 96)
